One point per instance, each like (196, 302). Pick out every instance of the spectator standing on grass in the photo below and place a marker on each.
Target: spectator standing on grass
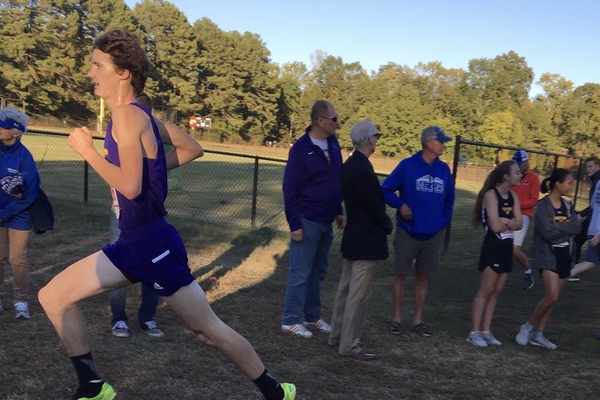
(556, 223)
(528, 192)
(149, 249)
(150, 299)
(313, 201)
(424, 204)
(497, 210)
(363, 243)
(20, 182)
(592, 254)
(592, 170)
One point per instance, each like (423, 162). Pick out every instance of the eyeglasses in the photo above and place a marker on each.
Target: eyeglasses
(334, 119)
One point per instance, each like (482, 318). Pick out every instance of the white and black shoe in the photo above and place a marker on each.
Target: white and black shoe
(120, 329)
(528, 281)
(151, 328)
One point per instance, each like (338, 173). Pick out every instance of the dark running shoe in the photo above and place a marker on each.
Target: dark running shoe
(528, 281)
(151, 328)
(396, 328)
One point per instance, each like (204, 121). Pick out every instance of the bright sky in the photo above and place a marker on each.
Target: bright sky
(554, 36)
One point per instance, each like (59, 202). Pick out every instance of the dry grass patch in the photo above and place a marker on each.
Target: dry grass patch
(250, 267)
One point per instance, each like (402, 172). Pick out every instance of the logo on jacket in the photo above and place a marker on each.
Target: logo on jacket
(430, 184)
(13, 185)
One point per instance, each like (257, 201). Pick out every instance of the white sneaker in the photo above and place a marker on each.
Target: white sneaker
(120, 329)
(476, 339)
(22, 310)
(490, 339)
(320, 325)
(298, 330)
(524, 334)
(542, 342)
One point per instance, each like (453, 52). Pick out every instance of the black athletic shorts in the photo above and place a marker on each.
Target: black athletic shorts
(563, 262)
(496, 254)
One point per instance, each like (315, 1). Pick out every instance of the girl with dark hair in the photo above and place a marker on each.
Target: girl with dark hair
(497, 209)
(555, 225)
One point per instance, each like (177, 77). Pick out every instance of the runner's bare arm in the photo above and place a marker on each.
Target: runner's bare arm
(128, 125)
(186, 147)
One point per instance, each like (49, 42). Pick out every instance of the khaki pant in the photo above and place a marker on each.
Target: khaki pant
(15, 241)
(350, 305)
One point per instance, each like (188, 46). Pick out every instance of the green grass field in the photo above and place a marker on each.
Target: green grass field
(250, 267)
(216, 188)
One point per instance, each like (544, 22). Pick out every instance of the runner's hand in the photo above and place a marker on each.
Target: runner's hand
(80, 140)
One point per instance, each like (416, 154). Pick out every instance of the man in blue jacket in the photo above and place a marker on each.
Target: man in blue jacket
(424, 204)
(313, 200)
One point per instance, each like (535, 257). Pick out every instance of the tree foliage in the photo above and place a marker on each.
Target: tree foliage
(201, 70)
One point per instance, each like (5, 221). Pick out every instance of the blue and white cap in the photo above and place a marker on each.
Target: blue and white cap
(520, 157)
(434, 133)
(11, 118)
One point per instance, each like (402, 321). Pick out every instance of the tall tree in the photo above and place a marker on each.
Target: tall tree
(238, 83)
(581, 120)
(172, 47)
(293, 79)
(497, 84)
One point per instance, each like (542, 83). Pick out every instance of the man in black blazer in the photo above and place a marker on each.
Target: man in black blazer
(363, 243)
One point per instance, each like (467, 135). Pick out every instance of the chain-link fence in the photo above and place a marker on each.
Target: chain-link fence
(470, 176)
(246, 190)
(222, 187)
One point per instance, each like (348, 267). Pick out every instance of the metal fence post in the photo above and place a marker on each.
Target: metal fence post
(86, 168)
(577, 183)
(254, 192)
(454, 173)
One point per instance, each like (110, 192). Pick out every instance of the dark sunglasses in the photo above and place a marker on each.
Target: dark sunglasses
(334, 119)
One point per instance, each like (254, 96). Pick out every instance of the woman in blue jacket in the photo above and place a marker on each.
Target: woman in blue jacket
(20, 182)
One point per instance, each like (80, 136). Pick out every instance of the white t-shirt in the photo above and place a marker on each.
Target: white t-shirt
(322, 143)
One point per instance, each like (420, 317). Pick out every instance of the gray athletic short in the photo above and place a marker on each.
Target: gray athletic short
(426, 253)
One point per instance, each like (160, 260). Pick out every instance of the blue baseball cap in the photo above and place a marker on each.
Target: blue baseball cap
(520, 157)
(10, 123)
(434, 133)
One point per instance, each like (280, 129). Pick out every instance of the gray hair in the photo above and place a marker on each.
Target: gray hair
(15, 115)
(361, 132)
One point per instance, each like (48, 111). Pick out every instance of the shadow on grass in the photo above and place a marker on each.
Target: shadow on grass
(34, 365)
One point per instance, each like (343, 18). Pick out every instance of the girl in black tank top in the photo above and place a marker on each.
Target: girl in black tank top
(497, 210)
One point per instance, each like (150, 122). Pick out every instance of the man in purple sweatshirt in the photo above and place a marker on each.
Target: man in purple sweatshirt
(313, 200)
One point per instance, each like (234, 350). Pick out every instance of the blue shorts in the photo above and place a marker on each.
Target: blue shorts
(592, 254)
(156, 257)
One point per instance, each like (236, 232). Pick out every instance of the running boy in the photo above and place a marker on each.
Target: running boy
(149, 249)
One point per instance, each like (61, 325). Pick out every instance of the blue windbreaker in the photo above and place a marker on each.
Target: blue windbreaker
(428, 189)
(20, 182)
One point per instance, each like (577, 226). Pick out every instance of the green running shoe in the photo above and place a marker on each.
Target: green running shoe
(289, 391)
(106, 393)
